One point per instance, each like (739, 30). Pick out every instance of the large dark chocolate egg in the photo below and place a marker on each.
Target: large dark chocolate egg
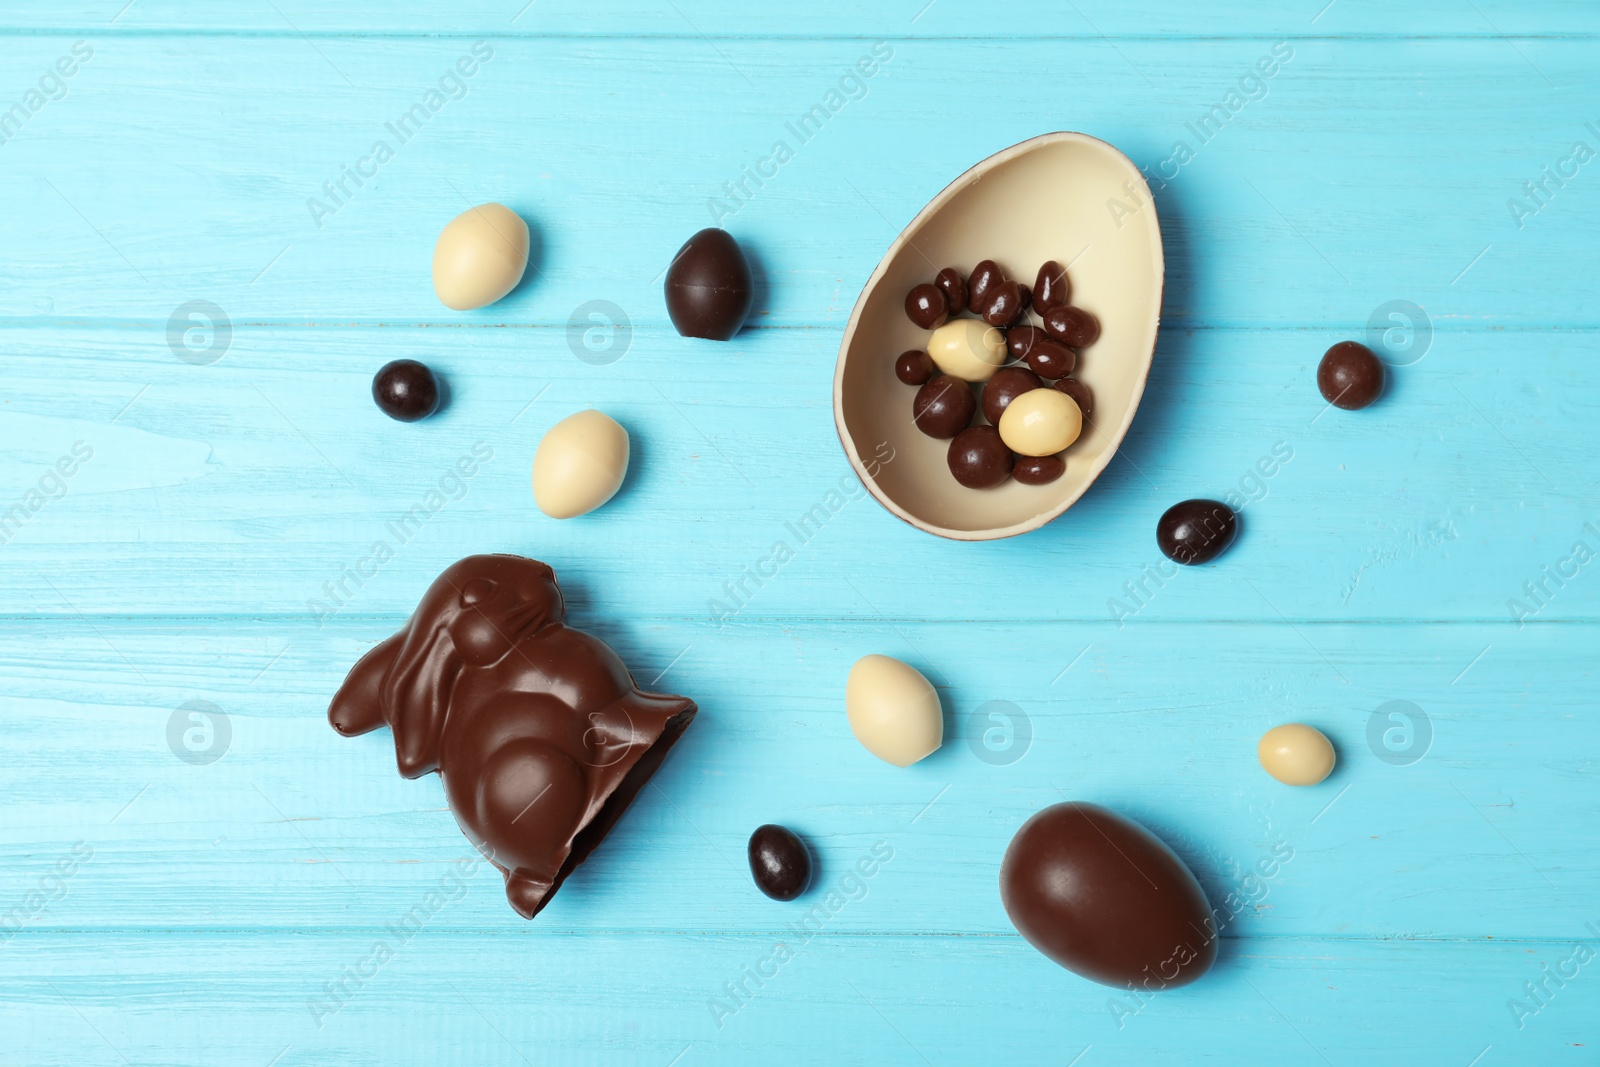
(708, 286)
(1105, 898)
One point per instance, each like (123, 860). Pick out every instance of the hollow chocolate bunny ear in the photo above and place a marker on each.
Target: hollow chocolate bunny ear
(416, 695)
(357, 707)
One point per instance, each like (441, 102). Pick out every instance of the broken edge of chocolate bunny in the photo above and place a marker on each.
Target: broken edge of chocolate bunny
(537, 730)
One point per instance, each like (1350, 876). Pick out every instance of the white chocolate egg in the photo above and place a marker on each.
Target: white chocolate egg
(580, 464)
(1296, 754)
(480, 256)
(893, 710)
(969, 349)
(1040, 422)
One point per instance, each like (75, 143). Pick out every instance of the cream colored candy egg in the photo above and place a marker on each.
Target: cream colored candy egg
(969, 349)
(1040, 422)
(1296, 754)
(893, 710)
(480, 256)
(580, 464)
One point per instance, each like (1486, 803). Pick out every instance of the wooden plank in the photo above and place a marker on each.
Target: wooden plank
(719, 19)
(1488, 833)
(448, 996)
(138, 192)
(254, 485)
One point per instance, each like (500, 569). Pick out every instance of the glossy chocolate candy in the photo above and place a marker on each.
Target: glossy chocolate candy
(1082, 394)
(954, 287)
(1350, 376)
(985, 276)
(708, 287)
(926, 306)
(1038, 470)
(914, 367)
(978, 458)
(779, 862)
(538, 731)
(1072, 326)
(1051, 359)
(1005, 304)
(1107, 899)
(405, 390)
(1196, 531)
(1020, 339)
(1051, 288)
(1004, 387)
(943, 407)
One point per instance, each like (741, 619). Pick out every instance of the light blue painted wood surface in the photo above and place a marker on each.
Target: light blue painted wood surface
(173, 913)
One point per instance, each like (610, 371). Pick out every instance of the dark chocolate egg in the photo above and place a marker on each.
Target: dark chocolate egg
(1106, 899)
(708, 286)
(779, 862)
(1196, 531)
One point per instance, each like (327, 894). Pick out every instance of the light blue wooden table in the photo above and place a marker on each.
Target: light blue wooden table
(229, 882)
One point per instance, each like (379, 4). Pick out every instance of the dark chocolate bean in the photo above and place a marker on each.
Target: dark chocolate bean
(1350, 375)
(1021, 338)
(985, 276)
(1196, 531)
(779, 862)
(1004, 305)
(1038, 470)
(405, 390)
(1007, 384)
(914, 367)
(943, 407)
(1050, 359)
(1072, 326)
(926, 307)
(1051, 288)
(1080, 393)
(954, 287)
(978, 458)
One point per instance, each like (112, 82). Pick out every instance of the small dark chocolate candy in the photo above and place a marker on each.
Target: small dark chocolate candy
(985, 276)
(779, 862)
(1350, 375)
(1073, 326)
(1196, 531)
(1051, 359)
(1005, 304)
(1107, 899)
(708, 286)
(943, 407)
(954, 288)
(405, 390)
(914, 367)
(1027, 296)
(1051, 288)
(1019, 339)
(925, 306)
(1038, 470)
(978, 458)
(538, 731)
(1080, 393)
(1005, 386)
